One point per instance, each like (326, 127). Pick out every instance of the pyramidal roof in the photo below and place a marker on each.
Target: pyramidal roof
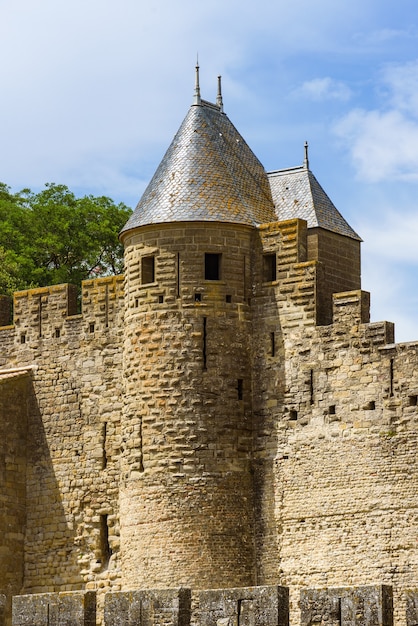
(207, 174)
(297, 193)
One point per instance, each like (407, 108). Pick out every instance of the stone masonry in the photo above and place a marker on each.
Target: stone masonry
(222, 417)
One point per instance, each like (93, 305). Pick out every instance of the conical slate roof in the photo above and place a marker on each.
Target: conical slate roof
(297, 193)
(207, 174)
(210, 174)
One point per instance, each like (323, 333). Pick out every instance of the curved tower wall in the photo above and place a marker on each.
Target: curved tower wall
(186, 492)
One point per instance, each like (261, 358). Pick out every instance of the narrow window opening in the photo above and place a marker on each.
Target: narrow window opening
(212, 266)
(178, 275)
(91, 327)
(57, 333)
(391, 378)
(107, 307)
(160, 299)
(331, 409)
(228, 298)
(240, 388)
(269, 268)
(413, 400)
(311, 387)
(273, 343)
(204, 355)
(104, 441)
(23, 338)
(105, 549)
(147, 270)
(136, 303)
(245, 277)
(40, 316)
(198, 297)
(293, 415)
(336, 610)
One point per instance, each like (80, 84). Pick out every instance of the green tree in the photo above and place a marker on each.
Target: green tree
(53, 237)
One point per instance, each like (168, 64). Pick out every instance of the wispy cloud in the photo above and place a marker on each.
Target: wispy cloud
(390, 263)
(382, 228)
(383, 142)
(402, 84)
(321, 89)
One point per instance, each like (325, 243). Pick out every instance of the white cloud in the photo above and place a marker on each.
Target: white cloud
(326, 88)
(391, 236)
(382, 145)
(383, 142)
(390, 264)
(402, 82)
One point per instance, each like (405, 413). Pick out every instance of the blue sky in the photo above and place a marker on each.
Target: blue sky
(93, 92)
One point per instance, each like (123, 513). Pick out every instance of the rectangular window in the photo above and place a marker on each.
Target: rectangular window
(147, 270)
(212, 266)
(269, 268)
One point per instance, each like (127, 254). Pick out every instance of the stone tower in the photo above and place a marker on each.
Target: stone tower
(186, 492)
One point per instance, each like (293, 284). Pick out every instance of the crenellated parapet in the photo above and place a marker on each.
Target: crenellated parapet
(365, 605)
(49, 313)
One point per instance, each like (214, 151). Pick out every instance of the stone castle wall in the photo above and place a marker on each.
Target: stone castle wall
(186, 430)
(343, 459)
(13, 428)
(72, 436)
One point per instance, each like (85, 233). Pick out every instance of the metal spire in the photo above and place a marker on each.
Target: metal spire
(306, 160)
(219, 96)
(197, 99)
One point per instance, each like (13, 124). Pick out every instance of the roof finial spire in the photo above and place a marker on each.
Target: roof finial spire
(219, 96)
(197, 85)
(306, 160)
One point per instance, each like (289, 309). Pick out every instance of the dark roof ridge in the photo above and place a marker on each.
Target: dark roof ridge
(287, 170)
(211, 105)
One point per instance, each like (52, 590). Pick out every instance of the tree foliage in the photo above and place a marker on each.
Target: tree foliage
(53, 237)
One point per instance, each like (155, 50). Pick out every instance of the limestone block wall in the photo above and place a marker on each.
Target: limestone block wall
(339, 267)
(260, 606)
(279, 307)
(14, 386)
(345, 471)
(2, 609)
(162, 607)
(53, 609)
(257, 606)
(72, 524)
(352, 606)
(186, 492)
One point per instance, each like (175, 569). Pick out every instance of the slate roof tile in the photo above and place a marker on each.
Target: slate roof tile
(297, 193)
(207, 174)
(210, 174)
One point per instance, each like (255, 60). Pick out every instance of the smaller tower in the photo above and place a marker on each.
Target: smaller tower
(330, 239)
